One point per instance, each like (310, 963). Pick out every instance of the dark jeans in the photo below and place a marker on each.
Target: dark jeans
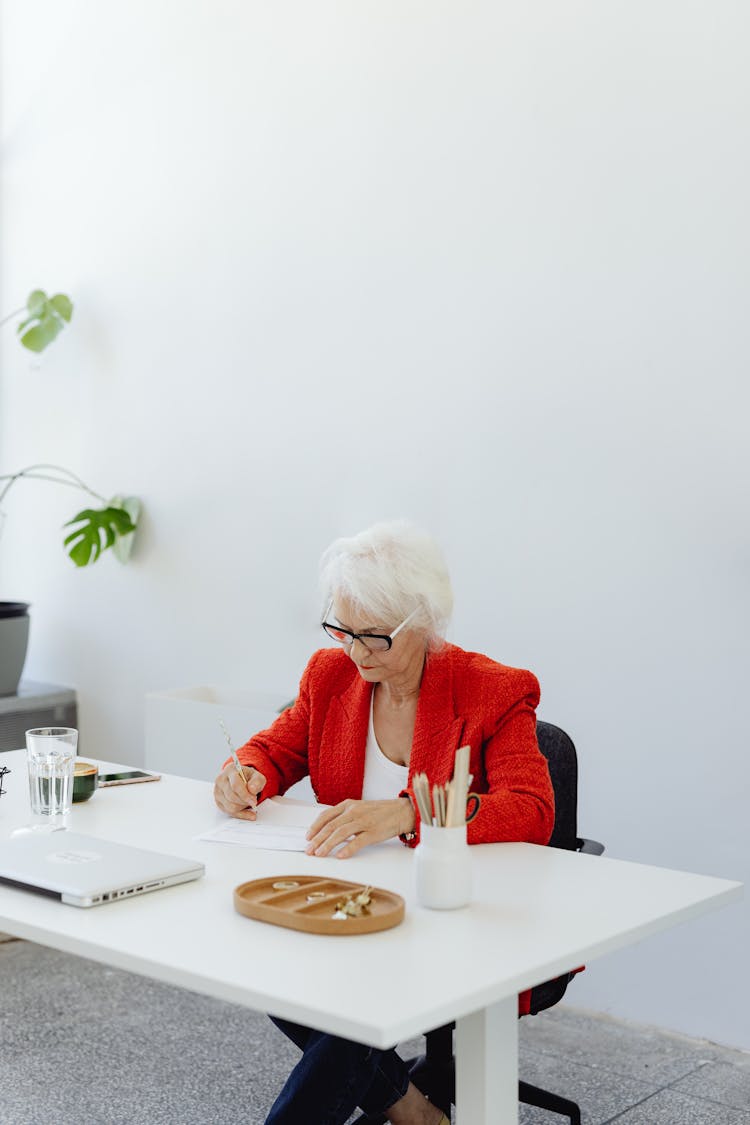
(333, 1077)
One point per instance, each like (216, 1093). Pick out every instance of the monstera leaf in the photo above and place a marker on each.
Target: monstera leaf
(123, 544)
(46, 317)
(98, 529)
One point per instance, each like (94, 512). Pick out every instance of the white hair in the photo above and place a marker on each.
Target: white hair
(387, 571)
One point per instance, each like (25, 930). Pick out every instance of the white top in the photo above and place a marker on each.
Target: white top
(383, 778)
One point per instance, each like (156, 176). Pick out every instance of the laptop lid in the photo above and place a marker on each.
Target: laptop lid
(86, 871)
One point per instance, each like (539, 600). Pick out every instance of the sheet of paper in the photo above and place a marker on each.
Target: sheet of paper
(281, 826)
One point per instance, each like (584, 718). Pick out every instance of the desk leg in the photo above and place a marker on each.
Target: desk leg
(487, 1065)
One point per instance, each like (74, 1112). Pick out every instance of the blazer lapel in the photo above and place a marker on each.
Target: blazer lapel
(438, 730)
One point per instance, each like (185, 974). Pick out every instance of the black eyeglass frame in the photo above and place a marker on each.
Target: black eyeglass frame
(363, 637)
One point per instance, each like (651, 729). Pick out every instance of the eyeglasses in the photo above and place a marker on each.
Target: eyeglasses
(373, 642)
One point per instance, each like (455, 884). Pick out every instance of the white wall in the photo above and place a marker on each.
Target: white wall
(481, 265)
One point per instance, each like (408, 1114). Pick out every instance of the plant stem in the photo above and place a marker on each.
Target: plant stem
(32, 472)
(11, 315)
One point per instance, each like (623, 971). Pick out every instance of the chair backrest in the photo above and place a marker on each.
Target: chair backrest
(560, 753)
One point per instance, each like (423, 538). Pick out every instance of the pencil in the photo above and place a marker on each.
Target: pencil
(235, 759)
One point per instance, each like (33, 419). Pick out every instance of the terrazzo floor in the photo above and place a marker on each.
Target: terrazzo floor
(106, 1047)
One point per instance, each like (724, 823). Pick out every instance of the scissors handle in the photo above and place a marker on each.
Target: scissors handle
(472, 806)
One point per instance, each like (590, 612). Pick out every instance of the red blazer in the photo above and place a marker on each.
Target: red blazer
(464, 698)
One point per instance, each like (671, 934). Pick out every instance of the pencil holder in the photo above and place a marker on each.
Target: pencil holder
(443, 865)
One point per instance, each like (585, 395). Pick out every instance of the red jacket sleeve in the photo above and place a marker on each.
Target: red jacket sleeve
(510, 773)
(519, 803)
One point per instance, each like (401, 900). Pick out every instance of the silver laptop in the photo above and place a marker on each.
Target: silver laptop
(85, 871)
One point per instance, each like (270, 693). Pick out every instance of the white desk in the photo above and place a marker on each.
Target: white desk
(536, 913)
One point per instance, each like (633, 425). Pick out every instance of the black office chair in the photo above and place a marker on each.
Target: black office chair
(434, 1071)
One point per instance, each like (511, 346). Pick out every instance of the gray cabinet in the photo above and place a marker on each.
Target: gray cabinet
(35, 705)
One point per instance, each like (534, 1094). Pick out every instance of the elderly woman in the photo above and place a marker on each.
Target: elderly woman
(391, 699)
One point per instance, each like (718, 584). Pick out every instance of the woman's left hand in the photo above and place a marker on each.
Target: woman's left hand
(367, 822)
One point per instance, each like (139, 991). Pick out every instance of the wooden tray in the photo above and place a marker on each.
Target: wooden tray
(283, 901)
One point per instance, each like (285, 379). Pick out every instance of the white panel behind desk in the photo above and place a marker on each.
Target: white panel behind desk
(184, 737)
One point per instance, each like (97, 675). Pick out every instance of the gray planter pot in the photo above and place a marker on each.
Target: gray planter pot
(14, 637)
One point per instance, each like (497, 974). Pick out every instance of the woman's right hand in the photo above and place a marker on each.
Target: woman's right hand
(237, 795)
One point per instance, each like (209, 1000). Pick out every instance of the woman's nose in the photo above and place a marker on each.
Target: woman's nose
(362, 648)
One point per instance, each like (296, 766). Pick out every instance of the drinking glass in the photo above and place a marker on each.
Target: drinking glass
(50, 758)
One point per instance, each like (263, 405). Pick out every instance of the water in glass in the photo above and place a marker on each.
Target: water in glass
(51, 753)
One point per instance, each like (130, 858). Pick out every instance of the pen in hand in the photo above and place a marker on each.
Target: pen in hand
(237, 763)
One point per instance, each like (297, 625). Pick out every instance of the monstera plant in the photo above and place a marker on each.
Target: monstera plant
(94, 529)
(43, 319)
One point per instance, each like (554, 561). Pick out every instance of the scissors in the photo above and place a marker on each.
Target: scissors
(472, 806)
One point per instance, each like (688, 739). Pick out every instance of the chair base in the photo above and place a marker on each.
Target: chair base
(543, 1099)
